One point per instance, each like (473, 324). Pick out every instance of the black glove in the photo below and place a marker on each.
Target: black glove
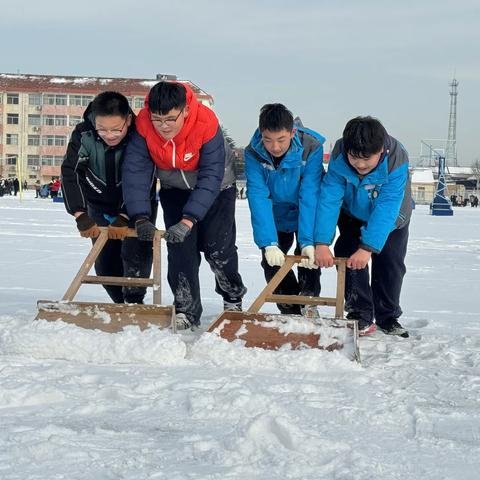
(177, 233)
(86, 226)
(145, 229)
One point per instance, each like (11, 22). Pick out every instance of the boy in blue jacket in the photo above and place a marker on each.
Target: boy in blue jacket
(366, 192)
(284, 167)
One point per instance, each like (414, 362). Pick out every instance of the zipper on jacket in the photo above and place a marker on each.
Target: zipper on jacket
(173, 153)
(185, 179)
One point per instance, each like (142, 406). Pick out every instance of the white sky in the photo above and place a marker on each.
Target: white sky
(327, 61)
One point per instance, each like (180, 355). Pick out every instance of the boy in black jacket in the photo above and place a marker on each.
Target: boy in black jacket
(92, 190)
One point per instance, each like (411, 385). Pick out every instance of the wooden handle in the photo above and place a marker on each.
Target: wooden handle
(290, 260)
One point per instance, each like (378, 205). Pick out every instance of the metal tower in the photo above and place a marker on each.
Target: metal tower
(451, 147)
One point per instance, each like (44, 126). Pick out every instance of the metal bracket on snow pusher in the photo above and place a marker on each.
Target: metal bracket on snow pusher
(111, 317)
(272, 331)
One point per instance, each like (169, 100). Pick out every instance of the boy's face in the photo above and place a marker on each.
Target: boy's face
(364, 165)
(277, 143)
(170, 124)
(113, 128)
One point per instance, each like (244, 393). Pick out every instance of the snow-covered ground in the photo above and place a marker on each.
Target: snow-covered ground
(79, 404)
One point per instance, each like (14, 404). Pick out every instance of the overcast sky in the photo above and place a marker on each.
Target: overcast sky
(327, 61)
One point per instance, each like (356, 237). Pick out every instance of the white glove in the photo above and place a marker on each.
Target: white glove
(274, 256)
(308, 251)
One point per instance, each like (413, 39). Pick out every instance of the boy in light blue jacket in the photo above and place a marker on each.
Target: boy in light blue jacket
(366, 192)
(284, 168)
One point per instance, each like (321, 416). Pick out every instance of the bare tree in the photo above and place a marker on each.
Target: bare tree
(228, 138)
(476, 172)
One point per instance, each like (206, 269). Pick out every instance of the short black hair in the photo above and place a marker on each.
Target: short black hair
(110, 104)
(275, 117)
(165, 96)
(364, 136)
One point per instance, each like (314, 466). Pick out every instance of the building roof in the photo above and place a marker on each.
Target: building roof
(11, 82)
(422, 175)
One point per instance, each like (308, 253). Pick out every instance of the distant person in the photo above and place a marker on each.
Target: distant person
(16, 186)
(366, 192)
(92, 191)
(180, 141)
(37, 187)
(55, 187)
(284, 168)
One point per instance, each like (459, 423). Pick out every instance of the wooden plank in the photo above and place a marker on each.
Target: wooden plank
(301, 300)
(86, 265)
(273, 284)
(254, 330)
(121, 281)
(267, 294)
(340, 292)
(108, 317)
(156, 267)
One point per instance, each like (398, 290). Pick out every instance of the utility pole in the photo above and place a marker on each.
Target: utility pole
(451, 147)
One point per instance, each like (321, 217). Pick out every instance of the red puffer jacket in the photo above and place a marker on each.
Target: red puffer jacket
(183, 151)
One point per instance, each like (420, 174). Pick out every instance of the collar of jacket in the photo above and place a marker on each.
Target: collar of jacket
(378, 176)
(293, 157)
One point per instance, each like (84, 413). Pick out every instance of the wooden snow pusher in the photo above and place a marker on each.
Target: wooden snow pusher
(273, 331)
(111, 317)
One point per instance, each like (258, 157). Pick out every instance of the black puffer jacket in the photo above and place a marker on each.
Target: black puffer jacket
(92, 171)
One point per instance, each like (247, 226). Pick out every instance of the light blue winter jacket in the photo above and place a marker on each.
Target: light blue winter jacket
(284, 199)
(382, 199)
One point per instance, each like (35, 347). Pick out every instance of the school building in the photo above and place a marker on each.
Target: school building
(39, 112)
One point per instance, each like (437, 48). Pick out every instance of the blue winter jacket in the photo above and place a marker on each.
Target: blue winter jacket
(381, 199)
(284, 199)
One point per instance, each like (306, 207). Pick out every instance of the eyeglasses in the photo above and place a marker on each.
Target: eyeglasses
(169, 122)
(116, 132)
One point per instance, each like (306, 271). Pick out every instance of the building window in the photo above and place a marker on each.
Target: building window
(12, 139)
(54, 99)
(12, 118)
(54, 140)
(139, 102)
(34, 120)
(34, 98)
(74, 120)
(33, 140)
(47, 160)
(55, 120)
(33, 160)
(60, 120)
(80, 100)
(12, 99)
(57, 161)
(11, 159)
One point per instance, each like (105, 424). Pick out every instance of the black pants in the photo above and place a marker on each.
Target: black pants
(308, 282)
(215, 236)
(123, 258)
(381, 299)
